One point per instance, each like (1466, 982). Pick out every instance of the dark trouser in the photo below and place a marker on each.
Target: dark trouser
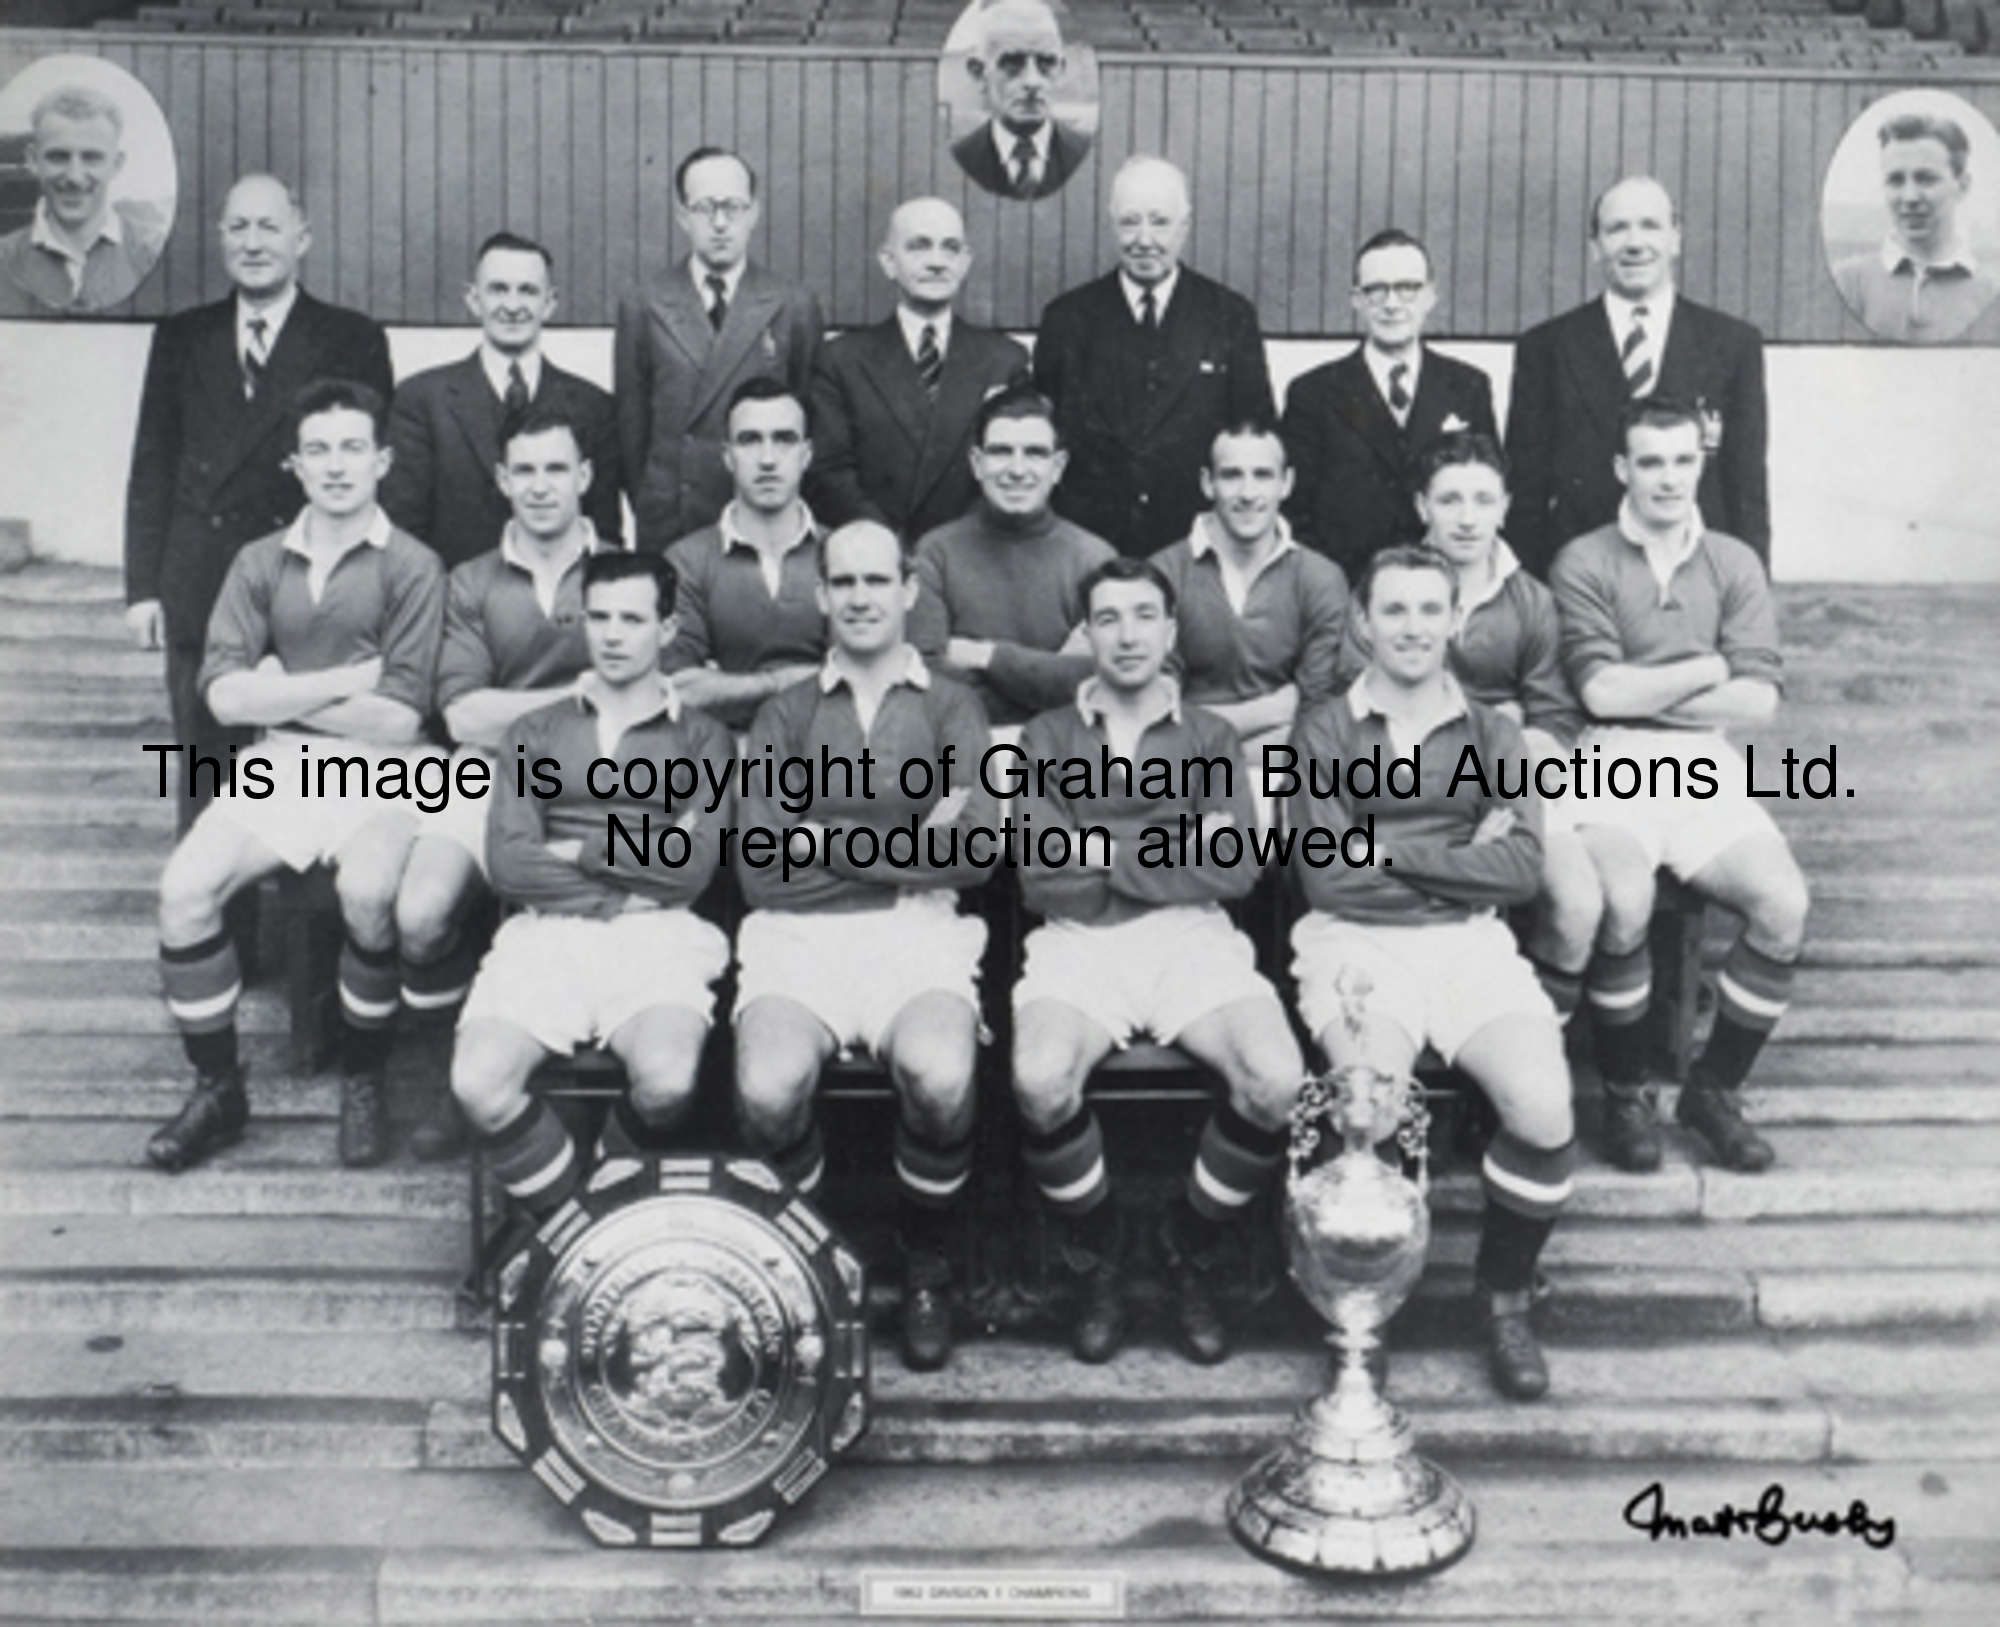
(195, 725)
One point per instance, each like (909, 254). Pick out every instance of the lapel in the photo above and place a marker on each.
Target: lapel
(1680, 363)
(749, 314)
(1361, 405)
(681, 312)
(1185, 331)
(960, 392)
(1592, 359)
(886, 361)
(294, 363)
(469, 398)
(1434, 402)
(219, 371)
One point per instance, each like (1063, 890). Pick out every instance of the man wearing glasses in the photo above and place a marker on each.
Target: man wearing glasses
(689, 339)
(1020, 150)
(1355, 429)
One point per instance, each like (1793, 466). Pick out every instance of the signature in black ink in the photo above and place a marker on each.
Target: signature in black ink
(1768, 1520)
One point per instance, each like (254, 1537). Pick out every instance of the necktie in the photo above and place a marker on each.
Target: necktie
(930, 360)
(255, 358)
(1632, 356)
(719, 300)
(1024, 165)
(1149, 312)
(516, 399)
(1399, 394)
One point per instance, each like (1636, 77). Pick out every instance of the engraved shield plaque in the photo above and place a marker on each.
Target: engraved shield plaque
(680, 1352)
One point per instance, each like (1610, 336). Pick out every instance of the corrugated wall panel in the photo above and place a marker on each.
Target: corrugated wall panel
(410, 152)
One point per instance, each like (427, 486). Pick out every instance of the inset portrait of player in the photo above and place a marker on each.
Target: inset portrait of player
(1910, 214)
(1019, 93)
(87, 187)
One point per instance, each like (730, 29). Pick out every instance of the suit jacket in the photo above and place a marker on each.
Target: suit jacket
(1352, 463)
(208, 470)
(445, 426)
(1562, 426)
(977, 156)
(882, 448)
(1137, 411)
(673, 378)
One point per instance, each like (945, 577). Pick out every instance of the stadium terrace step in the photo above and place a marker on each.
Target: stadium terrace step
(225, 1187)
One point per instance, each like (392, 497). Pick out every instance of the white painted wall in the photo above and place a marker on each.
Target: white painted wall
(1885, 464)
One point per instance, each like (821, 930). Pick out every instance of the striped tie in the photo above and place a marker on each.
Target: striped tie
(255, 359)
(930, 360)
(1634, 357)
(1024, 166)
(1399, 394)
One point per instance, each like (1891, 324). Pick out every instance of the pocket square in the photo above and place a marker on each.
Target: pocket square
(1452, 424)
(1208, 366)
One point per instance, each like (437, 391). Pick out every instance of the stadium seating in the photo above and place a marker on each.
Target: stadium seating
(1905, 34)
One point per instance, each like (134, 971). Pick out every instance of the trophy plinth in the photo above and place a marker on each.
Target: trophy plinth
(1346, 1493)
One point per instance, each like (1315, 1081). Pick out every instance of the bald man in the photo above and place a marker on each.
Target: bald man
(1575, 374)
(893, 405)
(1145, 366)
(1020, 150)
(209, 459)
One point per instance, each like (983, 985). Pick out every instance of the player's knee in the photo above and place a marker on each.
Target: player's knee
(935, 1072)
(662, 1086)
(773, 1091)
(191, 899)
(1778, 912)
(1541, 1117)
(1266, 1082)
(485, 1084)
(1628, 906)
(1048, 1082)
(1573, 910)
(367, 894)
(425, 907)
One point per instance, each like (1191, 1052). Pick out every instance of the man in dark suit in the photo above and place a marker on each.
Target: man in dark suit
(1020, 150)
(893, 405)
(1145, 365)
(686, 341)
(448, 423)
(209, 468)
(1355, 429)
(1574, 374)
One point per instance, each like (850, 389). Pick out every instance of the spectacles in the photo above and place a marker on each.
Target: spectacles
(1015, 63)
(725, 210)
(1376, 292)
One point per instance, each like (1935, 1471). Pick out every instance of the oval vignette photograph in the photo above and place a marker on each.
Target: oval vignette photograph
(1910, 218)
(87, 187)
(1018, 88)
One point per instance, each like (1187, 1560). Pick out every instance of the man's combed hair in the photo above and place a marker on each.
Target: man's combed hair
(1461, 446)
(1257, 425)
(1655, 412)
(1949, 133)
(701, 155)
(82, 102)
(765, 388)
(334, 395)
(1126, 568)
(1390, 237)
(1404, 556)
(540, 420)
(616, 565)
(514, 242)
(1015, 401)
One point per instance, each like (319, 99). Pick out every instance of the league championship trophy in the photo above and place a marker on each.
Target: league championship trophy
(680, 1351)
(1346, 1493)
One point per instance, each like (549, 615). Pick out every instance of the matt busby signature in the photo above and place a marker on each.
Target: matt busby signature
(1768, 1520)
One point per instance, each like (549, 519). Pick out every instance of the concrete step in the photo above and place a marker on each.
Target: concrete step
(227, 1187)
(272, 1243)
(493, 1546)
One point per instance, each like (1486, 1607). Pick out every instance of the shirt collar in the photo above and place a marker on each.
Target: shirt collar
(273, 317)
(1505, 563)
(1363, 702)
(1957, 256)
(43, 234)
(1659, 311)
(913, 327)
(583, 536)
(1380, 366)
(699, 273)
(1091, 704)
(1163, 293)
(667, 699)
(1004, 139)
(834, 671)
(376, 536)
(494, 364)
(1205, 538)
(729, 527)
(1628, 528)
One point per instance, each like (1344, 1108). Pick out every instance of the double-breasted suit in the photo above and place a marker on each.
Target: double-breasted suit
(1138, 410)
(980, 159)
(883, 449)
(445, 427)
(208, 468)
(1352, 463)
(1562, 425)
(674, 374)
